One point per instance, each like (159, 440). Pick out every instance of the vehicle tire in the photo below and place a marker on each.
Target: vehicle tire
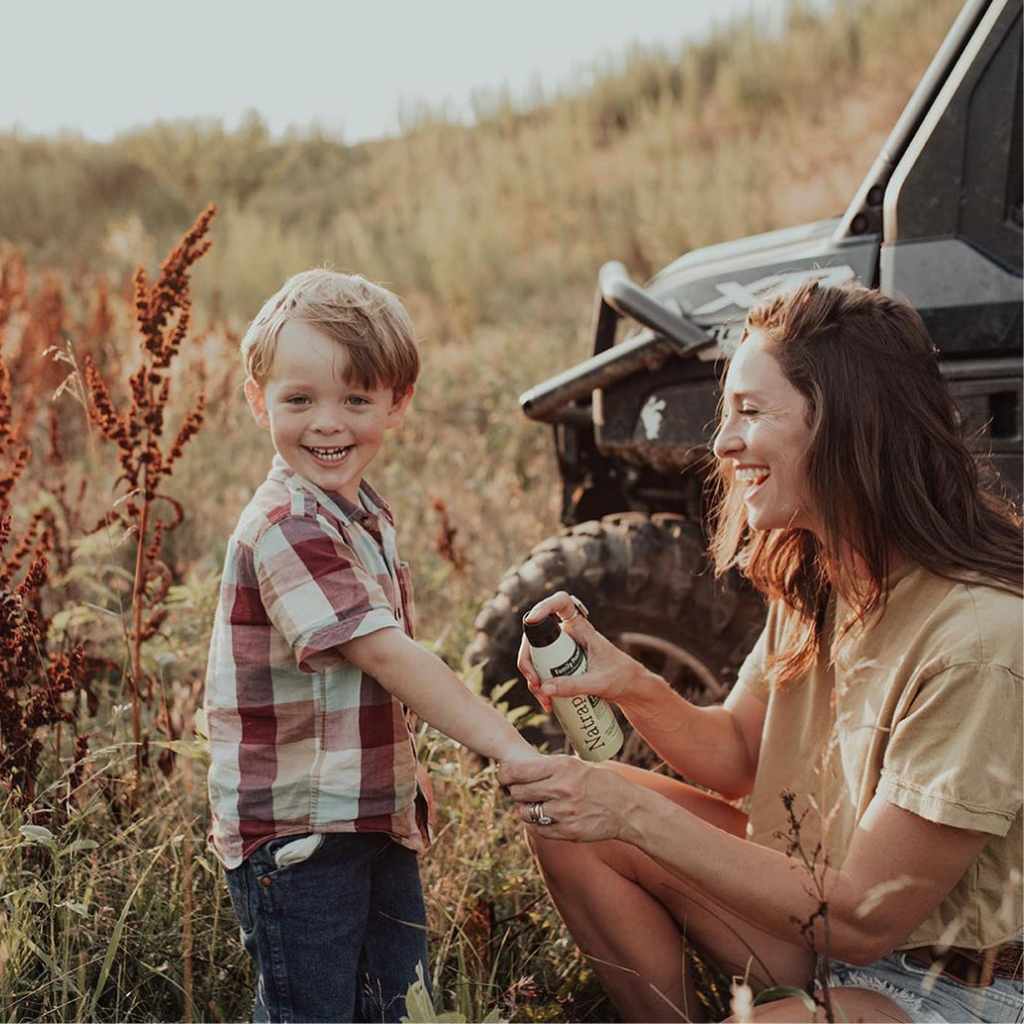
(648, 586)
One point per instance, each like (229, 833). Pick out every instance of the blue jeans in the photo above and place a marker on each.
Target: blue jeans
(927, 998)
(336, 937)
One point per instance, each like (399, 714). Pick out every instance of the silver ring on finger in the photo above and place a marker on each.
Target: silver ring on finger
(542, 818)
(581, 609)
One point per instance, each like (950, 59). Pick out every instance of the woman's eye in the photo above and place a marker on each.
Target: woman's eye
(747, 411)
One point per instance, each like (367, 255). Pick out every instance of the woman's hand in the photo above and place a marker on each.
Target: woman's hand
(585, 802)
(611, 674)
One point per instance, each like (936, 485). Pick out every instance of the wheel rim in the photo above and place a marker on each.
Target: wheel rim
(683, 671)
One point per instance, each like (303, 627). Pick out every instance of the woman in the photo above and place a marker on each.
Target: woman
(875, 727)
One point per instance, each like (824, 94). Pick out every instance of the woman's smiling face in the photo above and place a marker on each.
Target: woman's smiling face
(763, 439)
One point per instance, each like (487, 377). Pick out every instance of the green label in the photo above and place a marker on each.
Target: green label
(577, 662)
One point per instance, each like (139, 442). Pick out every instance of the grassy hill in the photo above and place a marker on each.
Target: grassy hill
(660, 152)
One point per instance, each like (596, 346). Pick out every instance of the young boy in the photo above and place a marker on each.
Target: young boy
(316, 811)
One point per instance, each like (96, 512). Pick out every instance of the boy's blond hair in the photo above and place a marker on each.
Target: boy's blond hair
(368, 320)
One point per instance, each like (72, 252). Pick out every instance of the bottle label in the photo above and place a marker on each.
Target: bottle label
(576, 662)
(587, 720)
(584, 706)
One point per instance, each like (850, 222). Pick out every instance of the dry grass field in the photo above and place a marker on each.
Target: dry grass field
(126, 453)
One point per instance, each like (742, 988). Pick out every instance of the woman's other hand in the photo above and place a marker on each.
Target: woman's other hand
(585, 802)
(611, 674)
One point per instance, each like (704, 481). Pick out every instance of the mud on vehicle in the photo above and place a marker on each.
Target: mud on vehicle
(936, 221)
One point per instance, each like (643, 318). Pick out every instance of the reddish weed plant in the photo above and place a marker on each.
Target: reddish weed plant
(163, 315)
(444, 543)
(33, 680)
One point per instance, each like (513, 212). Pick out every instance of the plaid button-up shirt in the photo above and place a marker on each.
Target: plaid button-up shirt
(300, 739)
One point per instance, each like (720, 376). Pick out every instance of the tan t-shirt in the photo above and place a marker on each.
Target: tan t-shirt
(923, 705)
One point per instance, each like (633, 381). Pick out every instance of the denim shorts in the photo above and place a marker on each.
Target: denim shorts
(927, 997)
(335, 936)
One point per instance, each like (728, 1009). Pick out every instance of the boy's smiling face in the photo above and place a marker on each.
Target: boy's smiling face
(326, 428)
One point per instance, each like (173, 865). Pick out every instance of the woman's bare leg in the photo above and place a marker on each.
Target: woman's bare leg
(633, 918)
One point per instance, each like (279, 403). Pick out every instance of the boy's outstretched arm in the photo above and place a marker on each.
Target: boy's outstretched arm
(424, 683)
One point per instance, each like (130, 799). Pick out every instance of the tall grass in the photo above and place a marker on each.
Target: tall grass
(93, 911)
(130, 920)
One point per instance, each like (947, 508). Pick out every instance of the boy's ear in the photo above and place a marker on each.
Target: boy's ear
(257, 402)
(399, 406)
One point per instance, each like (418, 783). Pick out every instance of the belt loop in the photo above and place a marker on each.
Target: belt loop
(988, 961)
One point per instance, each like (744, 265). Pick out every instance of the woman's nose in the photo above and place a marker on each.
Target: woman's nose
(727, 442)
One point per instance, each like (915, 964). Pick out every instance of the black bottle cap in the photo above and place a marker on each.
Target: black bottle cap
(543, 633)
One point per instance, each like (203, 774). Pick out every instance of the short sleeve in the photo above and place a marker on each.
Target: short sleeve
(955, 757)
(316, 591)
(753, 677)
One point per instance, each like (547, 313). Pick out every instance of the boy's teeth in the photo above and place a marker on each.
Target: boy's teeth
(330, 453)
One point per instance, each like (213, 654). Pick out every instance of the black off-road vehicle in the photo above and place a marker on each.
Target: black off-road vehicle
(937, 221)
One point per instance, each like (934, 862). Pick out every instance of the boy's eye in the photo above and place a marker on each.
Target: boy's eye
(358, 400)
(296, 400)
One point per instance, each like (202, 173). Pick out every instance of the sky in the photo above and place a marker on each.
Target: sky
(100, 68)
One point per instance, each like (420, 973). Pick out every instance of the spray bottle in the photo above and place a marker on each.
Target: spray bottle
(588, 721)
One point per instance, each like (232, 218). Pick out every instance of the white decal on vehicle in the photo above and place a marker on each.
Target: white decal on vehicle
(650, 416)
(753, 293)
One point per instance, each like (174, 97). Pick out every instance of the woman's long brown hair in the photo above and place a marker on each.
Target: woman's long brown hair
(888, 472)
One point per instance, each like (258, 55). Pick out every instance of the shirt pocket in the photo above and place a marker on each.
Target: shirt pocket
(406, 596)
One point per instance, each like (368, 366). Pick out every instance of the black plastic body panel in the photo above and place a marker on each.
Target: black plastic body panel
(662, 421)
(963, 178)
(990, 397)
(953, 244)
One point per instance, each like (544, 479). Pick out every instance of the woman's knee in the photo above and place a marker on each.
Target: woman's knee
(565, 864)
(553, 855)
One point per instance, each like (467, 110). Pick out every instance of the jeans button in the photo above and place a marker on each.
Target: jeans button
(266, 882)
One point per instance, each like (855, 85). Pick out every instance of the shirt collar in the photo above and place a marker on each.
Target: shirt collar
(355, 511)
